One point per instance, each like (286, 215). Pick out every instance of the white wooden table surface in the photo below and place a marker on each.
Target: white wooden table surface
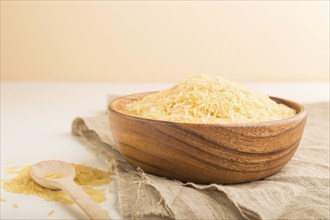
(35, 125)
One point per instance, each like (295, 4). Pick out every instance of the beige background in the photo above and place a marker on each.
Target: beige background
(164, 41)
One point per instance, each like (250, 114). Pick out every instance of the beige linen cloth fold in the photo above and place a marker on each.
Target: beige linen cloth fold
(299, 191)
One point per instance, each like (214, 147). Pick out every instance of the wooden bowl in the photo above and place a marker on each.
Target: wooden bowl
(206, 153)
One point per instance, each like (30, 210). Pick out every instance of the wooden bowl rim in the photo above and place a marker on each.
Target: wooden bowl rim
(299, 116)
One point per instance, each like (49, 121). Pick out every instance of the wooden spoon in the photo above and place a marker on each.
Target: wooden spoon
(40, 170)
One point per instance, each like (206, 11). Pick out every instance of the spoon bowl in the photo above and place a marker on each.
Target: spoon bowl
(40, 170)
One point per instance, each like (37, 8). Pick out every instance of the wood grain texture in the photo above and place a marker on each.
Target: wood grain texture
(206, 153)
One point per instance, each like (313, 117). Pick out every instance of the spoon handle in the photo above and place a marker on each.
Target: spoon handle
(82, 199)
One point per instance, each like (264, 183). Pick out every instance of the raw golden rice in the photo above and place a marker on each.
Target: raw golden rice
(51, 212)
(206, 99)
(54, 175)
